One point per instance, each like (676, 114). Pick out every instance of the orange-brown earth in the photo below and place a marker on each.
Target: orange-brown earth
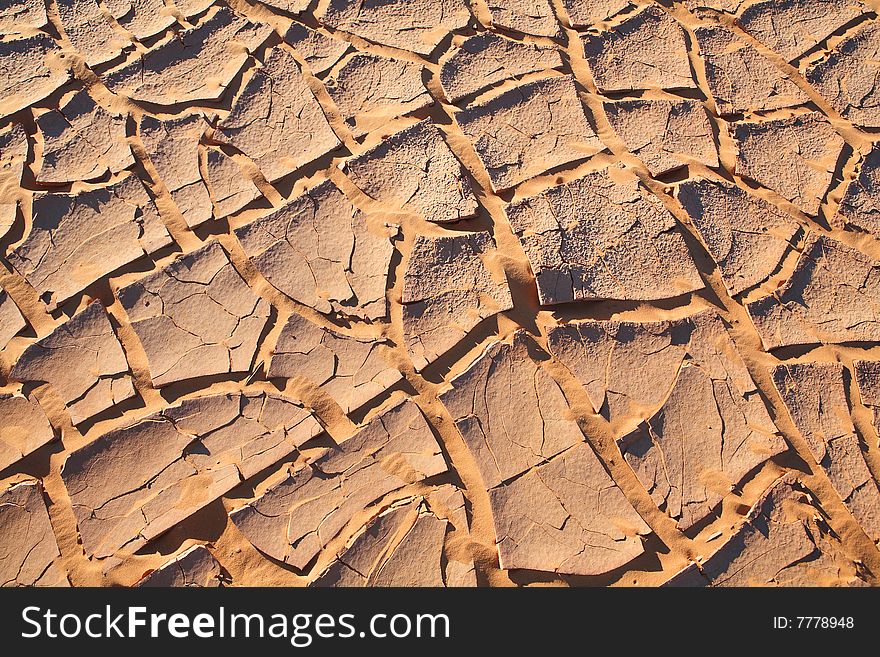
(439, 293)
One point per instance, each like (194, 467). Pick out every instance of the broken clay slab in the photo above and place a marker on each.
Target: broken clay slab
(486, 59)
(815, 396)
(860, 206)
(781, 542)
(746, 235)
(276, 95)
(740, 78)
(91, 34)
(132, 484)
(535, 17)
(320, 51)
(11, 319)
(645, 51)
(24, 428)
(510, 412)
(21, 16)
(370, 90)
(413, 26)
(830, 297)
(323, 252)
(351, 369)
(230, 189)
(195, 317)
(566, 516)
(688, 415)
(296, 518)
(415, 171)
(664, 134)
(76, 239)
(793, 27)
(529, 130)
(197, 65)
(795, 157)
(195, 567)
(28, 552)
(450, 285)
(83, 361)
(602, 237)
(405, 546)
(81, 141)
(586, 14)
(173, 147)
(32, 69)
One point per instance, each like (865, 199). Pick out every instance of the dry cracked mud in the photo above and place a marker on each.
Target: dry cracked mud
(449, 293)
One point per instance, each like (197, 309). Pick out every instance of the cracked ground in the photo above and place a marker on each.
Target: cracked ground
(439, 293)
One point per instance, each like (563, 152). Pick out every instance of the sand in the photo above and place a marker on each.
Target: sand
(442, 293)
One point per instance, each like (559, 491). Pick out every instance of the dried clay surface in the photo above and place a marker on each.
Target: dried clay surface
(455, 293)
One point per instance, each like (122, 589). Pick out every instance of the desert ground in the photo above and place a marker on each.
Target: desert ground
(439, 293)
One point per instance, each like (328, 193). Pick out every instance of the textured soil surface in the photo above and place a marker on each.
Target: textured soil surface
(439, 292)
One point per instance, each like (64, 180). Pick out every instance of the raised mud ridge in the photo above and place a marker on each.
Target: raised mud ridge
(439, 292)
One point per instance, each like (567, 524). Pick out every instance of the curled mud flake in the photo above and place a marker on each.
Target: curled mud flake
(831, 297)
(416, 171)
(295, 519)
(77, 239)
(566, 516)
(320, 51)
(860, 206)
(173, 148)
(82, 141)
(525, 16)
(132, 484)
(28, 551)
(319, 250)
(83, 362)
(746, 236)
(795, 157)
(11, 320)
(594, 238)
(664, 134)
(486, 59)
(585, 14)
(792, 27)
(24, 428)
(18, 16)
(450, 285)
(195, 317)
(868, 379)
(779, 544)
(32, 70)
(90, 32)
(646, 51)
(142, 18)
(370, 90)
(510, 412)
(350, 369)
(848, 77)
(404, 546)
(740, 79)
(415, 26)
(229, 188)
(529, 129)
(276, 120)
(197, 65)
(815, 397)
(192, 568)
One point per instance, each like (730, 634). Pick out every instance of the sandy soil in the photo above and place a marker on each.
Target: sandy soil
(440, 293)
